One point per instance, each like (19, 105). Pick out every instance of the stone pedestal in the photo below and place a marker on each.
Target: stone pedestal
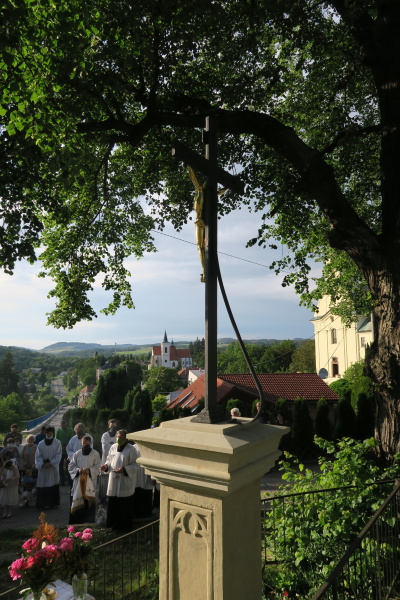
(210, 524)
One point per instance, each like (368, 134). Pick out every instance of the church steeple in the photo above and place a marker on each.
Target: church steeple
(165, 340)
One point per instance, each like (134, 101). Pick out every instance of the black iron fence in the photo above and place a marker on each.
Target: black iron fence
(290, 512)
(370, 567)
(127, 567)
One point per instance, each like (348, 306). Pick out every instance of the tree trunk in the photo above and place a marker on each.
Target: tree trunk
(383, 362)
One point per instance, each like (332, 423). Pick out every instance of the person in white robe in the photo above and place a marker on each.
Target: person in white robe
(75, 443)
(84, 467)
(108, 438)
(143, 499)
(47, 460)
(123, 469)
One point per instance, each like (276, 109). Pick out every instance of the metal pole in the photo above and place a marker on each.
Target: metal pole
(212, 413)
(211, 307)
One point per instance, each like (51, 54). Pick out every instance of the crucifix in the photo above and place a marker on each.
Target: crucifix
(212, 412)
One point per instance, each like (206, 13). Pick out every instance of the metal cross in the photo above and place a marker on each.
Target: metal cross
(212, 413)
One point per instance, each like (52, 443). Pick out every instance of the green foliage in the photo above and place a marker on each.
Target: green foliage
(101, 422)
(282, 406)
(323, 425)
(122, 417)
(275, 358)
(114, 384)
(341, 387)
(345, 420)
(11, 411)
(161, 380)
(358, 381)
(303, 358)
(365, 417)
(196, 349)
(309, 533)
(159, 402)
(8, 376)
(302, 430)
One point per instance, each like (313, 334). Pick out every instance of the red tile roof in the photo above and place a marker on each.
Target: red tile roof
(285, 385)
(175, 353)
(274, 385)
(87, 388)
(192, 394)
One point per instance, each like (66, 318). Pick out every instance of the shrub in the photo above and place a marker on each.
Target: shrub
(310, 533)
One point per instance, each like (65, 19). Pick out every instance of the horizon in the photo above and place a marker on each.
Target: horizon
(167, 294)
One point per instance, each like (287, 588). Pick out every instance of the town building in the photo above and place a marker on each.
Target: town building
(167, 355)
(338, 346)
(84, 395)
(241, 386)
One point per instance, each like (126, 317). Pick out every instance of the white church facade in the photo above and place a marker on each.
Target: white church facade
(337, 346)
(167, 355)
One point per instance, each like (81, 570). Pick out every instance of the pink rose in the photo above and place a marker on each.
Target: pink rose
(88, 530)
(30, 545)
(51, 550)
(66, 545)
(78, 534)
(31, 561)
(86, 536)
(71, 529)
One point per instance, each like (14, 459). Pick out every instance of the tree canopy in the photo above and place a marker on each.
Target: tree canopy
(305, 96)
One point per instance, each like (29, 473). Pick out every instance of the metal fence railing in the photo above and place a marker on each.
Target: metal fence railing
(127, 565)
(123, 568)
(290, 511)
(35, 422)
(371, 565)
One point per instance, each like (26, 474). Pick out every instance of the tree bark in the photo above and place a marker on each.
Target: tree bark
(383, 360)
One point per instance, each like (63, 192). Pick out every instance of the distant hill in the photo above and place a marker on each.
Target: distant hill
(88, 349)
(82, 348)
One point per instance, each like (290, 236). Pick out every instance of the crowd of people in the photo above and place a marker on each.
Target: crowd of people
(111, 489)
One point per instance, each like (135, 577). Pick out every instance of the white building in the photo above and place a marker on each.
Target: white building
(167, 355)
(337, 346)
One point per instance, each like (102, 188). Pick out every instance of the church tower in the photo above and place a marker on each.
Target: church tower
(165, 351)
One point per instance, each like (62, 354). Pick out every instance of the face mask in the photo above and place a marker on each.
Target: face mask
(48, 440)
(112, 431)
(10, 445)
(80, 435)
(86, 450)
(121, 442)
(16, 444)
(30, 443)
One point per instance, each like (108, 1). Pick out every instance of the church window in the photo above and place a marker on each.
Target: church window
(335, 367)
(363, 343)
(333, 336)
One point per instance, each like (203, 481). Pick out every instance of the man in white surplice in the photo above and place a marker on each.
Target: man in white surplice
(123, 470)
(47, 460)
(84, 469)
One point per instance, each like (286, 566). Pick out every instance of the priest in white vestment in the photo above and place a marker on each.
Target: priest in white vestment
(47, 460)
(123, 469)
(75, 443)
(84, 468)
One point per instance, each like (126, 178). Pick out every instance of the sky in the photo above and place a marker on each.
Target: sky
(167, 294)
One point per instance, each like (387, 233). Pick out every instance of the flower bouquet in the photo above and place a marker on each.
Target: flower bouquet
(75, 552)
(38, 565)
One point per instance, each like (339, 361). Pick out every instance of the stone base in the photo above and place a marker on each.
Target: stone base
(210, 528)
